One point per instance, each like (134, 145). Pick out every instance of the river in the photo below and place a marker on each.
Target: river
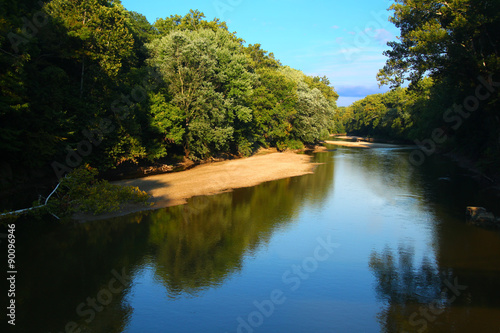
(368, 243)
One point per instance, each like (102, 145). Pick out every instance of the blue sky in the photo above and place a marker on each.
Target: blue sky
(343, 40)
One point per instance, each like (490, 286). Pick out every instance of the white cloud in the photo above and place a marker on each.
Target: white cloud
(351, 94)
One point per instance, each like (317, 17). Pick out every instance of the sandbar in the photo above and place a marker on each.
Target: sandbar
(365, 144)
(175, 188)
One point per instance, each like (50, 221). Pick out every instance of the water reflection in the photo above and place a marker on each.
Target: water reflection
(387, 172)
(403, 284)
(190, 268)
(67, 266)
(423, 297)
(452, 283)
(434, 273)
(189, 248)
(198, 245)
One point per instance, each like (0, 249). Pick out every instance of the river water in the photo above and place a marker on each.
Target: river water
(368, 243)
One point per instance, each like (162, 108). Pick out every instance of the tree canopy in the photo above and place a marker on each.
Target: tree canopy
(448, 53)
(91, 82)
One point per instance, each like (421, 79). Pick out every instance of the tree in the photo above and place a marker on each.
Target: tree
(456, 44)
(86, 21)
(314, 113)
(37, 109)
(207, 78)
(143, 32)
(274, 103)
(441, 38)
(192, 21)
(323, 84)
(260, 58)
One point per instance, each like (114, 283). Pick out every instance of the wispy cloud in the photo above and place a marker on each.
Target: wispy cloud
(351, 94)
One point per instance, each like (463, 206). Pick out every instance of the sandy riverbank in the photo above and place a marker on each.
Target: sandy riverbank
(364, 143)
(175, 188)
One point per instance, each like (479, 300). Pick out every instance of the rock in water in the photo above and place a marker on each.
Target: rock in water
(481, 217)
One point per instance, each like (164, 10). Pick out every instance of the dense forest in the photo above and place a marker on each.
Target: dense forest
(88, 82)
(444, 72)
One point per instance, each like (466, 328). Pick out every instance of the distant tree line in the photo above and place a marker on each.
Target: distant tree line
(86, 81)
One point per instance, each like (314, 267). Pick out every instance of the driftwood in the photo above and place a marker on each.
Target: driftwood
(25, 210)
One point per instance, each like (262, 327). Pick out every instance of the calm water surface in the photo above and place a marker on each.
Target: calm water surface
(368, 243)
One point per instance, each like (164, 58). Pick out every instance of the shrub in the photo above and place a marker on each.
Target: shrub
(289, 145)
(79, 191)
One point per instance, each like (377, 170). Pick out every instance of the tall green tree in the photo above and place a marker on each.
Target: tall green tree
(443, 38)
(183, 84)
(36, 90)
(86, 21)
(207, 78)
(102, 46)
(274, 103)
(314, 113)
(456, 44)
(192, 21)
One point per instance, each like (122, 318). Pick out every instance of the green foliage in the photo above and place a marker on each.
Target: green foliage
(455, 39)
(207, 77)
(190, 22)
(448, 52)
(245, 147)
(314, 112)
(79, 191)
(341, 117)
(290, 144)
(260, 58)
(396, 114)
(181, 84)
(323, 85)
(85, 20)
(274, 103)
(166, 119)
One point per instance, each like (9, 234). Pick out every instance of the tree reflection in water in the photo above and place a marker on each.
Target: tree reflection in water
(418, 298)
(199, 244)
